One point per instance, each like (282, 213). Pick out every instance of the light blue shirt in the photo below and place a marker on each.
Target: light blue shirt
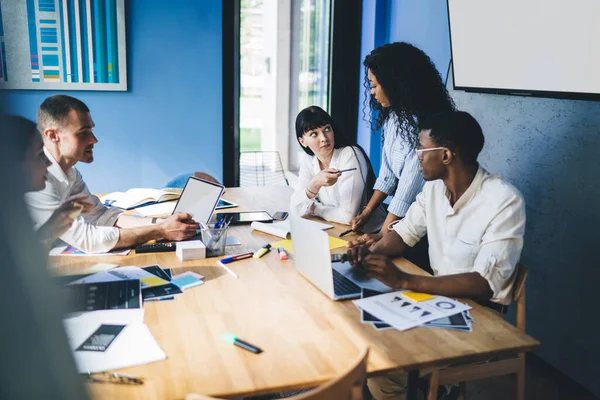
(399, 175)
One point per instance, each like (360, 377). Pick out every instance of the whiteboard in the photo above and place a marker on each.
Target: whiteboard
(526, 45)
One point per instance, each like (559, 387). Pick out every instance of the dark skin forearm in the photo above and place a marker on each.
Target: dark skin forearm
(381, 267)
(467, 285)
(390, 245)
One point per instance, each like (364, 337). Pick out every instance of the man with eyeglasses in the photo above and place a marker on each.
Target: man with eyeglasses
(475, 223)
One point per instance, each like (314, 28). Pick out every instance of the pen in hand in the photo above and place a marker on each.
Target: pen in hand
(345, 233)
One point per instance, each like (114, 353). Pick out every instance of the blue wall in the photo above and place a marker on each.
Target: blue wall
(550, 150)
(170, 119)
(382, 23)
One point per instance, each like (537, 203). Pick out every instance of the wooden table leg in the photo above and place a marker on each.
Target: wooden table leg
(412, 385)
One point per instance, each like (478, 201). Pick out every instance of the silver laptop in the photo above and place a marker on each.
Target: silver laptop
(312, 259)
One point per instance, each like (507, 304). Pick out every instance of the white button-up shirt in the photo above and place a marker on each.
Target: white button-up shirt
(482, 232)
(342, 201)
(93, 232)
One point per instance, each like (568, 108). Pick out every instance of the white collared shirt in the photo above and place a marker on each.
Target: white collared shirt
(482, 233)
(342, 201)
(93, 232)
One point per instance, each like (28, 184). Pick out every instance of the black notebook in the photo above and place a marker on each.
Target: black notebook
(117, 295)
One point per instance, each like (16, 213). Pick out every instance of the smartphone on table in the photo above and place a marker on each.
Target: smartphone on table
(280, 215)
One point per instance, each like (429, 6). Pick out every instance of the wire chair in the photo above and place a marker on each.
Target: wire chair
(261, 168)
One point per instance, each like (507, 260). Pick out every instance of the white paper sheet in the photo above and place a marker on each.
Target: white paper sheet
(134, 345)
(282, 229)
(165, 208)
(403, 313)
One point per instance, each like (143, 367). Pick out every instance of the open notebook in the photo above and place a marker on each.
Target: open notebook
(137, 197)
(282, 229)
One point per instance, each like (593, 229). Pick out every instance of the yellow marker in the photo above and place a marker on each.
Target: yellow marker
(77, 212)
(414, 296)
(262, 251)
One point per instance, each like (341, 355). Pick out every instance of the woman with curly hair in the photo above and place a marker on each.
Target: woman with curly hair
(404, 88)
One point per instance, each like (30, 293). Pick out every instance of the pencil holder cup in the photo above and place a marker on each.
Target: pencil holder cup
(214, 239)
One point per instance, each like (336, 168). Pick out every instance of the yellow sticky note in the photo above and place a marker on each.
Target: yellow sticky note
(285, 244)
(100, 267)
(154, 281)
(335, 243)
(414, 296)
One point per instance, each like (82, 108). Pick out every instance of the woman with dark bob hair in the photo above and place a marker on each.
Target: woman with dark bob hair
(323, 190)
(404, 88)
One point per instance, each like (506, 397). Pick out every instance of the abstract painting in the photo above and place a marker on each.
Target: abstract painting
(63, 44)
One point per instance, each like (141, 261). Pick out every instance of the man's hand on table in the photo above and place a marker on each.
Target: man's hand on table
(377, 266)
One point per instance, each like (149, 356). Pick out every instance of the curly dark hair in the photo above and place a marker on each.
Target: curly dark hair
(412, 84)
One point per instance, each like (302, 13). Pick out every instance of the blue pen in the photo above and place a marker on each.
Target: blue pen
(235, 258)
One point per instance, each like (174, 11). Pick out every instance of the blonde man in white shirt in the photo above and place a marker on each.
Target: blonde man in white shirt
(475, 223)
(323, 190)
(67, 132)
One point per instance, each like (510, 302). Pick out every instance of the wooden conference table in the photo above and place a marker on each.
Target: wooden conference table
(306, 337)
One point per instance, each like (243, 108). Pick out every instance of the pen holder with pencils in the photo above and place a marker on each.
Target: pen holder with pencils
(214, 239)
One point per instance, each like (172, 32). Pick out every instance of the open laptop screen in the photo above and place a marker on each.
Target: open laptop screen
(199, 198)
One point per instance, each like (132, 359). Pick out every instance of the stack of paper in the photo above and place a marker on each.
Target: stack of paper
(156, 282)
(404, 310)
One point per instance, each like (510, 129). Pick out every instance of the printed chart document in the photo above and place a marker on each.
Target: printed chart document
(128, 346)
(403, 313)
(282, 229)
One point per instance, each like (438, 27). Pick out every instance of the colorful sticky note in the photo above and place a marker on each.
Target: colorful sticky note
(286, 244)
(186, 281)
(335, 243)
(154, 281)
(414, 296)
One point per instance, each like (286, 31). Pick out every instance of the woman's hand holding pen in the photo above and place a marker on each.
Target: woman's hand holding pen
(327, 177)
(360, 220)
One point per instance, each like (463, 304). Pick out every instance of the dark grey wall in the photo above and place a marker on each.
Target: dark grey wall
(550, 149)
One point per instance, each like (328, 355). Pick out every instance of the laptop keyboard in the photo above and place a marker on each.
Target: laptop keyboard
(343, 286)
